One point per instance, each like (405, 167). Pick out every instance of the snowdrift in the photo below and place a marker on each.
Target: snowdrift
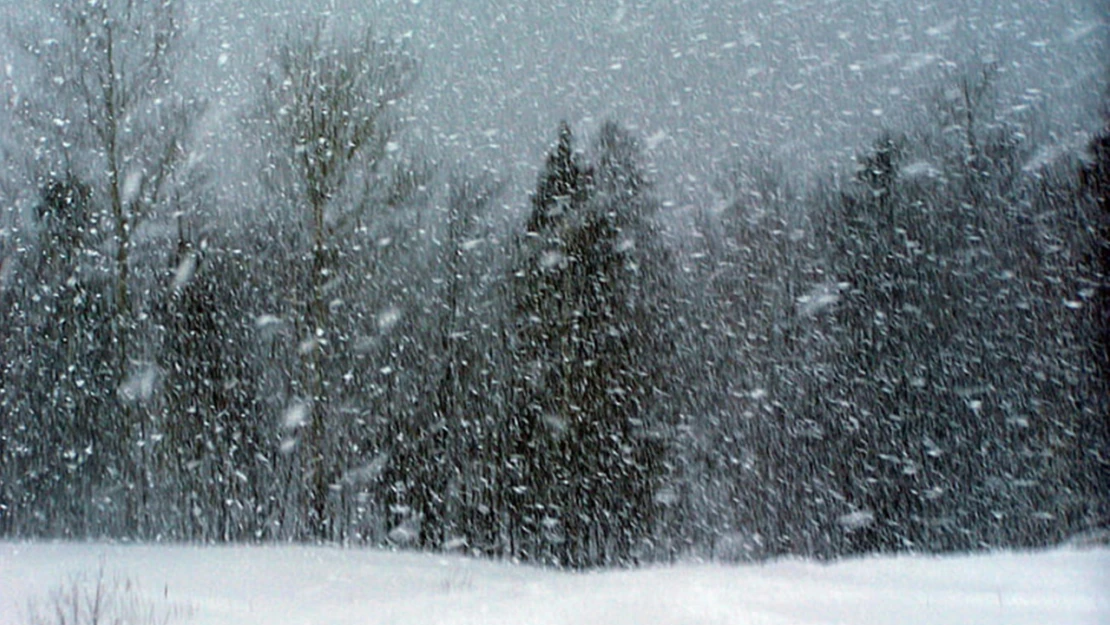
(297, 585)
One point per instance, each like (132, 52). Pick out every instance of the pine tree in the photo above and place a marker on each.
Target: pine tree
(214, 451)
(759, 258)
(59, 383)
(102, 104)
(958, 375)
(587, 445)
(1095, 181)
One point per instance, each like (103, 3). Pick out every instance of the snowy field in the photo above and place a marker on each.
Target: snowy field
(308, 585)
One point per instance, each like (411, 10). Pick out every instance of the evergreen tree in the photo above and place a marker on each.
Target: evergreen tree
(937, 422)
(760, 271)
(102, 104)
(214, 452)
(588, 439)
(1095, 181)
(61, 466)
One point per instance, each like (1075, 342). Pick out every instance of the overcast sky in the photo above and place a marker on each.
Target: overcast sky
(808, 80)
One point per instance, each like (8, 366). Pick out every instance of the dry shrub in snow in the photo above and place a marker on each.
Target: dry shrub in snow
(101, 599)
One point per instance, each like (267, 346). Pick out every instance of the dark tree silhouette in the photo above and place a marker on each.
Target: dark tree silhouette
(589, 441)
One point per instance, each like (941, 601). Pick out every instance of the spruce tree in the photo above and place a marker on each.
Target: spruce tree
(587, 444)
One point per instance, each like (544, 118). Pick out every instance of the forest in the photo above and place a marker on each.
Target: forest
(344, 338)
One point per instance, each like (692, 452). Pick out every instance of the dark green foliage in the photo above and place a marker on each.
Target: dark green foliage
(59, 466)
(562, 187)
(588, 443)
(1095, 183)
(914, 357)
(1095, 189)
(215, 439)
(878, 170)
(745, 455)
(64, 221)
(961, 379)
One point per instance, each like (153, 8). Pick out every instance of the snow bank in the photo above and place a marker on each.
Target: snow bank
(279, 585)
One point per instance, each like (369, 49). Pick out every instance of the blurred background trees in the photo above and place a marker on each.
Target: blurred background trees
(337, 337)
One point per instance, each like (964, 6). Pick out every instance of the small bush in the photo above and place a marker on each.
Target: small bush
(103, 600)
(456, 579)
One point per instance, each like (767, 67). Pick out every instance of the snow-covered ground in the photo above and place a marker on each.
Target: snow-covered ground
(279, 585)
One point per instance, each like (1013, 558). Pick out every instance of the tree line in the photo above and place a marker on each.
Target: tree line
(343, 342)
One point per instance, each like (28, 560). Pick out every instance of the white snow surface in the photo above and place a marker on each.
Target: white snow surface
(298, 585)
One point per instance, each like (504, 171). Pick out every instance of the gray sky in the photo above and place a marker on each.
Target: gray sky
(808, 81)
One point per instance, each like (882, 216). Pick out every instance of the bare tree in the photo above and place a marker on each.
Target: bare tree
(104, 109)
(326, 121)
(100, 110)
(986, 150)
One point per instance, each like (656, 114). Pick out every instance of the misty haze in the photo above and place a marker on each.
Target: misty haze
(655, 289)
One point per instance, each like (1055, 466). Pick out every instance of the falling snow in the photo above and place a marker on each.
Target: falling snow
(576, 285)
